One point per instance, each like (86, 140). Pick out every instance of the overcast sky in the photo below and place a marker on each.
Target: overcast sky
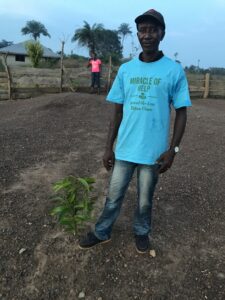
(195, 29)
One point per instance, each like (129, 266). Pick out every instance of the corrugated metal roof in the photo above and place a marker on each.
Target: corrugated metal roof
(20, 49)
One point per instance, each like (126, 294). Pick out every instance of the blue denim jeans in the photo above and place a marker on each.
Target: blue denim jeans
(147, 177)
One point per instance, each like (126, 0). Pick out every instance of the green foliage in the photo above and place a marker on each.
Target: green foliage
(103, 42)
(35, 52)
(74, 204)
(49, 63)
(196, 70)
(88, 35)
(35, 29)
(78, 57)
(109, 45)
(124, 30)
(216, 71)
(5, 43)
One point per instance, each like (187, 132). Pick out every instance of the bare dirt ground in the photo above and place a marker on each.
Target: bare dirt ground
(52, 136)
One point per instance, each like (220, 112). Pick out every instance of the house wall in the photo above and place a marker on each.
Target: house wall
(11, 60)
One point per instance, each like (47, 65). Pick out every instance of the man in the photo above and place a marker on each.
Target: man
(95, 64)
(142, 93)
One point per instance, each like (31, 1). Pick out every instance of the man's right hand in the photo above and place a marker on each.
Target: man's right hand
(108, 159)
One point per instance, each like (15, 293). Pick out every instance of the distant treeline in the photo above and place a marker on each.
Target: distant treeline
(191, 69)
(196, 70)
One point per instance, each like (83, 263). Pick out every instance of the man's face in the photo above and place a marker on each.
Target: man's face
(150, 35)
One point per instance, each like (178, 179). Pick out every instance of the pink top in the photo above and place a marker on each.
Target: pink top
(95, 65)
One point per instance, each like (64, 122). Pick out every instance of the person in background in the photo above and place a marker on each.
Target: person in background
(143, 93)
(95, 64)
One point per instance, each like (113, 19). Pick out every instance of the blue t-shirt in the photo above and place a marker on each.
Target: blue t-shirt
(147, 91)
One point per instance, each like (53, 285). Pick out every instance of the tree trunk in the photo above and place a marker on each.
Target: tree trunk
(61, 67)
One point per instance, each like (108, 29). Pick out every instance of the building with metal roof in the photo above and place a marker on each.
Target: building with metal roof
(17, 53)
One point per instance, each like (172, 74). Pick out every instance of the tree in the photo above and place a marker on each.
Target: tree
(124, 30)
(35, 29)
(35, 52)
(5, 43)
(103, 42)
(88, 36)
(109, 45)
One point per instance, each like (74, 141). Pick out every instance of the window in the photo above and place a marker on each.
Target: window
(20, 57)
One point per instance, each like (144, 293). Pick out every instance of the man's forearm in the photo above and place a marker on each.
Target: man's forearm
(179, 127)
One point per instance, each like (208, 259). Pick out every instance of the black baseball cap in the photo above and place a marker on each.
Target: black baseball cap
(151, 14)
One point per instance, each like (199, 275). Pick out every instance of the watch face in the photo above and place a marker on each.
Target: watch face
(176, 149)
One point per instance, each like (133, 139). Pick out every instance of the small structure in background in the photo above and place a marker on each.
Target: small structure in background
(17, 54)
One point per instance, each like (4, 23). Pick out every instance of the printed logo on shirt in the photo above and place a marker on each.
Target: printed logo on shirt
(144, 85)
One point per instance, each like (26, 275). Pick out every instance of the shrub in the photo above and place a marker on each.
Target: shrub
(35, 52)
(74, 203)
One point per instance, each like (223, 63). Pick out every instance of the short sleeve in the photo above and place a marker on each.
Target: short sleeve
(116, 93)
(180, 96)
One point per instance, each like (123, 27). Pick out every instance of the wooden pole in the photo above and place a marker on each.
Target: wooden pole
(61, 67)
(206, 92)
(4, 60)
(70, 82)
(109, 73)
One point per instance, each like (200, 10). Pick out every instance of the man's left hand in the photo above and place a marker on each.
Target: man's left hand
(165, 160)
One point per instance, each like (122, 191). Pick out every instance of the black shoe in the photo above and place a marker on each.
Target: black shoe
(142, 243)
(90, 241)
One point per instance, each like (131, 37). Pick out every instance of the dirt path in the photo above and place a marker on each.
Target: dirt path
(49, 137)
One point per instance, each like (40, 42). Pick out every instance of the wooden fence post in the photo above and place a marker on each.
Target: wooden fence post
(109, 73)
(206, 92)
(61, 67)
(4, 60)
(69, 80)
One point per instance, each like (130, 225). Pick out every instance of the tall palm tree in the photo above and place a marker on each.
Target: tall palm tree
(88, 35)
(124, 30)
(35, 29)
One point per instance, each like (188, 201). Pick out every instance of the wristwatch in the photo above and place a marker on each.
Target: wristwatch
(175, 149)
